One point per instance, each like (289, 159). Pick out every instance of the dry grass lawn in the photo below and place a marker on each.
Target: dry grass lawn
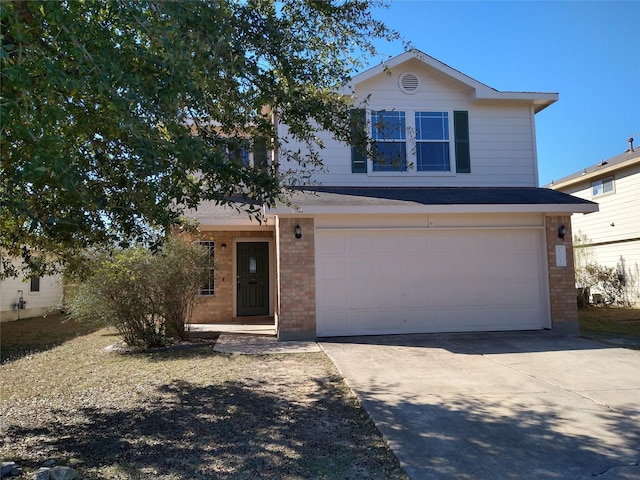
(617, 324)
(186, 414)
(193, 413)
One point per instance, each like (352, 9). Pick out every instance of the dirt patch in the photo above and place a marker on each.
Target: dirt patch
(187, 413)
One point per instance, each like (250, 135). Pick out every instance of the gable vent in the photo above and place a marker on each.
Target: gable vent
(409, 83)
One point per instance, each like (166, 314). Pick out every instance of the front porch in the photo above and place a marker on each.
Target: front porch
(204, 330)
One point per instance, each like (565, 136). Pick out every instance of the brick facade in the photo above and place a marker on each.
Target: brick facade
(219, 308)
(562, 288)
(296, 304)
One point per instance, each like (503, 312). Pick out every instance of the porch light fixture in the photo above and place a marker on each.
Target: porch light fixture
(223, 246)
(298, 231)
(562, 231)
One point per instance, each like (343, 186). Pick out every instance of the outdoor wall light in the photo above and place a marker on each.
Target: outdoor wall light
(562, 231)
(223, 246)
(298, 231)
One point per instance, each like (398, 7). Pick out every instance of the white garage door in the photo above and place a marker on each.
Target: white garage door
(384, 282)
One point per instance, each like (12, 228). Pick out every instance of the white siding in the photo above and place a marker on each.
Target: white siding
(501, 134)
(622, 209)
(38, 303)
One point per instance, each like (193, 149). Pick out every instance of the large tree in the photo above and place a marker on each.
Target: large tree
(118, 114)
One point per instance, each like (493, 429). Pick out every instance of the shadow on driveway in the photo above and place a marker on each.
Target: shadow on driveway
(514, 406)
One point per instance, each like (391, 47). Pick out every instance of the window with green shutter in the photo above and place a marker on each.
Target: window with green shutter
(358, 140)
(260, 159)
(461, 132)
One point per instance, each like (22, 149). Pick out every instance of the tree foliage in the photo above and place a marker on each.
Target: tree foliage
(147, 297)
(117, 114)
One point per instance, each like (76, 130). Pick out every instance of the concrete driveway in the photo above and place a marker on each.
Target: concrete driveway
(508, 406)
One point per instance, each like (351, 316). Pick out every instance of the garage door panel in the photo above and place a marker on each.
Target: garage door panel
(378, 282)
(334, 323)
(332, 268)
(360, 268)
(516, 293)
(331, 244)
(415, 244)
(387, 266)
(359, 243)
(333, 296)
(361, 295)
(502, 317)
(440, 242)
(388, 293)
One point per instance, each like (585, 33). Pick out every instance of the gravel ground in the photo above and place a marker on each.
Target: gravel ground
(188, 413)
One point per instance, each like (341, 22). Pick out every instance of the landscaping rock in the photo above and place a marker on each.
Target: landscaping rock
(9, 469)
(62, 473)
(49, 462)
(42, 474)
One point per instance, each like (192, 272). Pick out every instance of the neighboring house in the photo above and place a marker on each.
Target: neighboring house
(611, 237)
(29, 297)
(445, 232)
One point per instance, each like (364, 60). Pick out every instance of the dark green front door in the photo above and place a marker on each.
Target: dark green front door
(253, 278)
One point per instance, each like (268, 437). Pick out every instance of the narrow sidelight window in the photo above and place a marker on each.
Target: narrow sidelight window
(209, 285)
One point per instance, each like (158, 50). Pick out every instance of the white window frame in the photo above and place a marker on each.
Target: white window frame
(411, 148)
(402, 115)
(446, 140)
(598, 187)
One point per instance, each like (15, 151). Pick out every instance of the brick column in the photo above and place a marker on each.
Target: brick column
(562, 284)
(297, 280)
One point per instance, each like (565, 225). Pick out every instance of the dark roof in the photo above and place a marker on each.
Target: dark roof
(354, 196)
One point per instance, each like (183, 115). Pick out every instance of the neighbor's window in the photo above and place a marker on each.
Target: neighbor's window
(208, 287)
(389, 133)
(432, 142)
(600, 187)
(35, 284)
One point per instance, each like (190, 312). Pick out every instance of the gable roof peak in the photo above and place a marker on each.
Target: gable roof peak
(481, 92)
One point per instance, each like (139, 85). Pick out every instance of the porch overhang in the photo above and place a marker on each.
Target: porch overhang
(409, 200)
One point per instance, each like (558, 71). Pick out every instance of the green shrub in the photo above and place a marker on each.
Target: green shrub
(179, 276)
(147, 297)
(605, 280)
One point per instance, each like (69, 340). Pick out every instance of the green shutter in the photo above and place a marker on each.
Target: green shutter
(358, 140)
(461, 132)
(259, 153)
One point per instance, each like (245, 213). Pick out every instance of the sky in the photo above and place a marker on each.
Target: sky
(586, 51)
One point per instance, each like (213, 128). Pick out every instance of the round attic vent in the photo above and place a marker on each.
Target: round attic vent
(409, 83)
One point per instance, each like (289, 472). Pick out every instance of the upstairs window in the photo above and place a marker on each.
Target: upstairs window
(244, 153)
(389, 133)
(34, 285)
(208, 288)
(432, 142)
(600, 187)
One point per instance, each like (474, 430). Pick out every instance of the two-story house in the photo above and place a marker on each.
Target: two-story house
(444, 230)
(610, 237)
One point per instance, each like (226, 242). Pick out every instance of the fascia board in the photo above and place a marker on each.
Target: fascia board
(423, 209)
(222, 223)
(540, 100)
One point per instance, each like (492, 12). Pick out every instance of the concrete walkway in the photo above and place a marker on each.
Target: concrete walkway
(260, 345)
(508, 406)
